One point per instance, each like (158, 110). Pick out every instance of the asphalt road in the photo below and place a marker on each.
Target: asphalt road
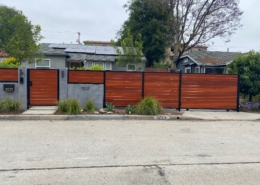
(129, 152)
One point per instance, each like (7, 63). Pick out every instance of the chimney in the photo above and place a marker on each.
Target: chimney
(78, 40)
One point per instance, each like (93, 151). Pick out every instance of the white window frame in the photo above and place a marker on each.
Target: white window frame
(99, 63)
(90, 66)
(110, 69)
(198, 70)
(42, 66)
(187, 68)
(131, 69)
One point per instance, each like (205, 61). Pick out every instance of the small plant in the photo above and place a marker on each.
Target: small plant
(96, 68)
(10, 63)
(1, 105)
(109, 107)
(78, 68)
(11, 105)
(90, 105)
(148, 106)
(129, 109)
(69, 106)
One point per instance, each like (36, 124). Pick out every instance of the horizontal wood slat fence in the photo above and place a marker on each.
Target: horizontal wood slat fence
(187, 91)
(91, 77)
(8, 75)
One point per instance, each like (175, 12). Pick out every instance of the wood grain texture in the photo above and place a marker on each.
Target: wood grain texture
(164, 87)
(207, 91)
(9, 75)
(44, 89)
(123, 88)
(86, 77)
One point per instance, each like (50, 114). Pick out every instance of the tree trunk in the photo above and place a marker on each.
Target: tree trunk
(250, 97)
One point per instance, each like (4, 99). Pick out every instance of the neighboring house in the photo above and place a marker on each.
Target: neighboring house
(97, 43)
(3, 55)
(209, 62)
(75, 55)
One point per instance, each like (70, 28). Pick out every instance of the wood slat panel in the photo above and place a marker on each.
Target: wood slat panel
(164, 87)
(123, 88)
(86, 77)
(44, 89)
(9, 75)
(208, 91)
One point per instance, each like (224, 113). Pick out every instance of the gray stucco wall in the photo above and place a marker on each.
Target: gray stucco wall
(57, 62)
(63, 83)
(82, 92)
(5, 95)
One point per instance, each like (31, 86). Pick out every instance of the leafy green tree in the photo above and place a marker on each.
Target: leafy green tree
(151, 20)
(130, 52)
(18, 37)
(248, 66)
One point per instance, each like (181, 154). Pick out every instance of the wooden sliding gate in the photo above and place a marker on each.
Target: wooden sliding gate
(43, 86)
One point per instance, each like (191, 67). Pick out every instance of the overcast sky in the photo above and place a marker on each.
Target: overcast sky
(60, 21)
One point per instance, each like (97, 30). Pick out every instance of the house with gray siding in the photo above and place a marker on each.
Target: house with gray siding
(76, 55)
(209, 62)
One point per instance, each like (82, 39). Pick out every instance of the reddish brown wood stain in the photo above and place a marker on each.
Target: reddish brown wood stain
(44, 89)
(209, 91)
(123, 88)
(9, 75)
(86, 76)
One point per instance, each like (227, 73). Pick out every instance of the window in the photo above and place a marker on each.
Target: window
(108, 66)
(75, 65)
(186, 60)
(197, 70)
(187, 69)
(131, 67)
(100, 64)
(45, 63)
(89, 65)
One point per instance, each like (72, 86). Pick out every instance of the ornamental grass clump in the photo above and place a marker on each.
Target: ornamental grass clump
(10, 105)
(148, 106)
(90, 105)
(69, 106)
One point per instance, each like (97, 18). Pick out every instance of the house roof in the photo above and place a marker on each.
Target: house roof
(104, 58)
(46, 50)
(211, 57)
(3, 54)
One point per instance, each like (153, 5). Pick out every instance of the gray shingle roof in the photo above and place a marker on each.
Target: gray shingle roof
(46, 50)
(104, 58)
(212, 57)
(76, 57)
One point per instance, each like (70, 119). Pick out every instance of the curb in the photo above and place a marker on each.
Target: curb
(109, 117)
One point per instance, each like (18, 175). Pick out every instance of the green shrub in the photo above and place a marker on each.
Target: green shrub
(254, 109)
(160, 65)
(90, 105)
(96, 68)
(10, 63)
(109, 107)
(129, 109)
(1, 105)
(11, 105)
(78, 68)
(148, 106)
(69, 106)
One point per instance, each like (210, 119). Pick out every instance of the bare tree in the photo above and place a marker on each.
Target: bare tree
(197, 21)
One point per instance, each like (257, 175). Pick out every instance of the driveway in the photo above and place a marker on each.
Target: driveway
(129, 152)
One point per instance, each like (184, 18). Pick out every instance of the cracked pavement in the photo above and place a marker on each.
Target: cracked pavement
(129, 152)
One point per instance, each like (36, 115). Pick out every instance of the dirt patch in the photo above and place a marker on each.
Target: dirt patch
(121, 111)
(12, 113)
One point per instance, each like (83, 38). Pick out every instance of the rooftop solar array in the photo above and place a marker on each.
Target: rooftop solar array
(88, 49)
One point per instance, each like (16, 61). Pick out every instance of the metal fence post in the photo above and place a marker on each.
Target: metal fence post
(238, 92)
(104, 83)
(180, 85)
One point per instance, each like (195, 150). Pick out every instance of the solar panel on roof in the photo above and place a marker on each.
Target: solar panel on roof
(91, 47)
(53, 45)
(109, 48)
(90, 51)
(80, 50)
(111, 52)
(101, 48)
(69, 50)
(100, 52)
